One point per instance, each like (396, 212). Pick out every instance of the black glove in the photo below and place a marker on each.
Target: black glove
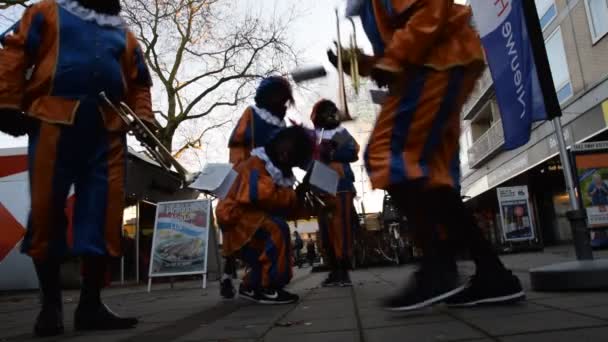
(333, 59)
(383, 77)
(15, 123)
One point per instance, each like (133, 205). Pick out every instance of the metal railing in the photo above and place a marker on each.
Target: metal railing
(482, 86)
(489, 143)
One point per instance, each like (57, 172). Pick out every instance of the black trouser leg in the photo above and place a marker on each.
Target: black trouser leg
(413, 201)
(463, 231)
(230, 266)
(50, 320)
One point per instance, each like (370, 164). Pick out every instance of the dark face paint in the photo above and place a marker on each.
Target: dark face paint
(110, 7)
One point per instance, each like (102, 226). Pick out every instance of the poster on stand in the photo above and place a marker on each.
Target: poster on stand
(515, 211)
(181, 238)
(591, 166)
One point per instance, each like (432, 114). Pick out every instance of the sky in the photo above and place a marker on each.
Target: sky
(312, 33)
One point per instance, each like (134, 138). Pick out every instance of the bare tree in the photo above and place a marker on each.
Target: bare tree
(206, 57)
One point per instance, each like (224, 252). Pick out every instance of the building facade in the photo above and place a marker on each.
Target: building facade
(575, 33)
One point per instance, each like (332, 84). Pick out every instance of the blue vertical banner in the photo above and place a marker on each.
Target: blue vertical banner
(510, 56)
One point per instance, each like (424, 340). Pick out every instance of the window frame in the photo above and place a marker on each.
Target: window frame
(594, 38)
(551, 3)
(564, 84)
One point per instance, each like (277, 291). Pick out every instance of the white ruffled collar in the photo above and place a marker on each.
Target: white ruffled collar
(277, 175)
(90, 15)
(328, 134)
(267, 116)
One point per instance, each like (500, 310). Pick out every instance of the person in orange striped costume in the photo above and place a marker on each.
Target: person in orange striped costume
(429, 56)
(337, 149)
(53, 65)
(254, 214)
(258, 124)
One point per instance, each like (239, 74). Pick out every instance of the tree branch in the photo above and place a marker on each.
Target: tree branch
(198, 142)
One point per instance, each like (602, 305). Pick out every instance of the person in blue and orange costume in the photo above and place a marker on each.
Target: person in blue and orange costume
(53, 65)
(337, 149)
(258, 124)
(254, 215)
(429, 56)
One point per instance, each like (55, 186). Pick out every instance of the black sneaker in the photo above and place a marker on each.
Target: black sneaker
(100, 317)
(332, 280)
(227, 289)
(277, 297)
(425, 289)
(249, 294)
(345, 279)
(49, 322)
(489, 290)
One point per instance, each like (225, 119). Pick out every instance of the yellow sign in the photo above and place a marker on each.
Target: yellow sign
(605, 111)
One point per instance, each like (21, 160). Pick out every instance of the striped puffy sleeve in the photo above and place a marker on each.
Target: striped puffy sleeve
(257, 189)
(139, 80)
(20, 47)
(240, 143)
(423, 25)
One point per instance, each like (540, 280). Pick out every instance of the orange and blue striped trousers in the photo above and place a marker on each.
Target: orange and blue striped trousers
(268, 256)
(337, 227)
(416, 135)
(94, 161)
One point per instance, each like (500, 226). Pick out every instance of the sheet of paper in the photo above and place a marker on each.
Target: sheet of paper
(223, 189)
(324, 178)
(212, 177)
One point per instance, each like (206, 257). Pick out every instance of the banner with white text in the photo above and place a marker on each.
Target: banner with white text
(504, 35)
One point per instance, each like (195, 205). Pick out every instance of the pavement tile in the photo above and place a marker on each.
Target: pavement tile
(533, 322)
(377, 319)
(342, 336)
(223, 330)
(595, 311)
(331, 308)
(579, 335)
(494, 311)
(316, 326)
(333, 293)
(433, 332)
(575, 300)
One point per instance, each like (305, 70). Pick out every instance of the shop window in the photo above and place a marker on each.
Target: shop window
(597, 16)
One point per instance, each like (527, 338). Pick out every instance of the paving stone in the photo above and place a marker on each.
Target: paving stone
(331, 308)
(579, 335)
(223, 330)
(575, 301)
(533, 322)
(316, 326)
(433, 332)
(342, 336)
(375, 318)
(494, 311)
(595, 311)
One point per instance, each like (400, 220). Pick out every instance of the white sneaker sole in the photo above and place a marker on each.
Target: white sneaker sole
(275, 302)
(494, 300)
(429, 301)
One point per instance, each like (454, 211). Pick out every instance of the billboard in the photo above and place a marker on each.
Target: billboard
(181, 238)
(517, 223)
(591, 166)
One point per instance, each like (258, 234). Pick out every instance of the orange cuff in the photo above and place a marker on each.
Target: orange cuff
(389, 64)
